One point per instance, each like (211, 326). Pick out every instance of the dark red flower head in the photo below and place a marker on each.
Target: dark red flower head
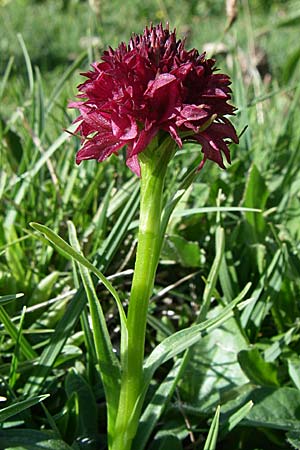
(153, 84)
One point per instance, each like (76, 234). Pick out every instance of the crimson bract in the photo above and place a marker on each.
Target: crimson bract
(153, 85)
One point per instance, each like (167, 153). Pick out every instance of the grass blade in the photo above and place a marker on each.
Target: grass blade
(213, 274)
(16, 408)
(31, 440)
(4, 299)
(27, 62)
(64, 328)
(6, 76)
(70, 252)
(108, 362)
(211, 440)
(13, 331)
(61, 84)
(235, 418)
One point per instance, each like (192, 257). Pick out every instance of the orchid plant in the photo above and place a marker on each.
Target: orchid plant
(150, 97)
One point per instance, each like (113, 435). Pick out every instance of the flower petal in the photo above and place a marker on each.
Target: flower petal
(124, 128)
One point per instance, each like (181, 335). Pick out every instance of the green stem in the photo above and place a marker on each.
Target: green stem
(153, 164)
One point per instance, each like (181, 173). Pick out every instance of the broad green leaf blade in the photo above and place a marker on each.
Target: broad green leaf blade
(181, 251)
(183, 339)
(16, 408)
(213, 371)
(211, 440)
(31, 440)
(274, 408)
(257, 369)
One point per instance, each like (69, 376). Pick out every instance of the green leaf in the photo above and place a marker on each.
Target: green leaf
(234, 419)
(66, 325)
(22, 405)
(87, 408)
(167, 442)
(4, 299)
(275, 408)
(62, 82)
(291, 65)
(181, 251)
(27, 62)
(16, 355)
(71, 253)
(31, 440)
(211, 440)
(291, 21)
(108, 363)
(213, 371)
(156, 406)
(44, 288)
(173, 202)
(12, 330)
(294, 371)
(51, 352)
(281, 343)
(183, 339)
(255, 196)
(27, 176)
(5, 76)
(213, 274)
(293, 438)
(267, 288)
(213, 209)
(39, 105)
(68, 353)
(257, 369)
(14, 144)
